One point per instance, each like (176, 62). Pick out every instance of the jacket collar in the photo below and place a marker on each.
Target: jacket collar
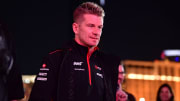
(82, 49)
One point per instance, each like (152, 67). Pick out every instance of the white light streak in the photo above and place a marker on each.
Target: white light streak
(172, 52)
(153, 77)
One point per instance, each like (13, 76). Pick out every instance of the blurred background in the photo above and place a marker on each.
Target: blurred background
(137, 31)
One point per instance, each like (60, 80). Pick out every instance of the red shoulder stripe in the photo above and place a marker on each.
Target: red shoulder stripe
(55, 51)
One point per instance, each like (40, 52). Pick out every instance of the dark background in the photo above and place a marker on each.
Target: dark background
(137, 30)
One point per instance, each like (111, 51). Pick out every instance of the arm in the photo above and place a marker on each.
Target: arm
(45, 81)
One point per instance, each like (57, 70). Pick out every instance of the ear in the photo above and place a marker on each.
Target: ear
(75, 28)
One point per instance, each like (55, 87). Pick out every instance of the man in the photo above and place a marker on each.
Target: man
(79, 71)
(122, 95)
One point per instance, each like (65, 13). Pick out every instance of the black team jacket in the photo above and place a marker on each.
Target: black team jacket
(70, 75)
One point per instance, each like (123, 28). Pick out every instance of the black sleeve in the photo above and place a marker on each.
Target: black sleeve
(45, 82)
(14, 84)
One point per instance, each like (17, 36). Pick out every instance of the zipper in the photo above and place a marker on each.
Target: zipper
(89, 68)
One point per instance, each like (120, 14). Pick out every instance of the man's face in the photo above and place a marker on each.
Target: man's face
(88, 30)
(121, 74)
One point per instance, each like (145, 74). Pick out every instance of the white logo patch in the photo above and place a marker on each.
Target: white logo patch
(46, 69)
(77, 63)
(42, 74)
(79, 69)
(98, 74)
(41, 79)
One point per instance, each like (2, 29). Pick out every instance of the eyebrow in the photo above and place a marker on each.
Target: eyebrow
(93, 24)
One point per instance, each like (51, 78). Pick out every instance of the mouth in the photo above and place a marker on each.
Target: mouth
(94, 38)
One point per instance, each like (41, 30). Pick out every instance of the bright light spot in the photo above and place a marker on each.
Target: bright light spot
(177, 79)
(28, 78)
(142, 99)
(27, 81)
(132, 76)
(172, 52)
(139, 76)
(169, 78)
(152, 77)
(146, 77)
(102, 2)
(158, 77)
(163, 77)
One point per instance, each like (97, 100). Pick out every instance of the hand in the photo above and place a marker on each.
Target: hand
(121, 96)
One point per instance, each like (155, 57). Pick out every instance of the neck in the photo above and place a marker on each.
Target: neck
(90, 51)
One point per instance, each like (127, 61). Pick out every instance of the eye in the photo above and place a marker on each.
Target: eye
(100, 27)
(90, 25)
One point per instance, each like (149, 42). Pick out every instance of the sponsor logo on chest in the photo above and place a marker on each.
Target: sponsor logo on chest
(77, 63)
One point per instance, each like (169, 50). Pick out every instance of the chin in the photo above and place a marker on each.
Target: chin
(93, 44)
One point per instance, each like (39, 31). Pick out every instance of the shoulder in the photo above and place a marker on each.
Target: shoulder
(61, 51)
(55, 56)
(57, 53)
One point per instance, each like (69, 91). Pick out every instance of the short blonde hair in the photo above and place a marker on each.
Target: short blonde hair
(88, 8)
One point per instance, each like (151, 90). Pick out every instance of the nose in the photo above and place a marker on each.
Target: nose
(97, 31)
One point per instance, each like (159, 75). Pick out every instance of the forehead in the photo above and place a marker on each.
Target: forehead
(91, 18)
(165, 89)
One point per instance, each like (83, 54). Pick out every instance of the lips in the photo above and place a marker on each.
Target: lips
(94, 38)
